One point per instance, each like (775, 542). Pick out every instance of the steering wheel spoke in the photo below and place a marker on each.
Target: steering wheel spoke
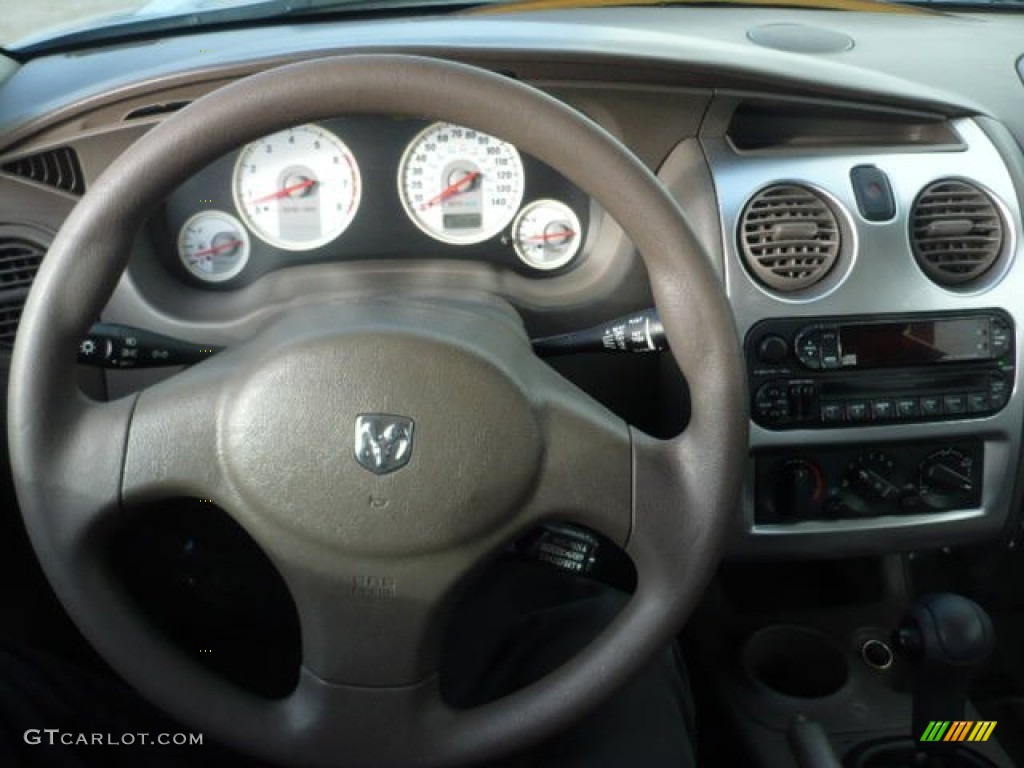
(586, 474)
(356, 612)
(172, 444)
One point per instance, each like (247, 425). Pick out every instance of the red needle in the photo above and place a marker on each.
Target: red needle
(284, 192)
(550, 236)
(217, 248)
(450, 190)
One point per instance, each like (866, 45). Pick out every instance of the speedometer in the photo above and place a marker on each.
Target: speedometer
(297, 189)
(459, 185)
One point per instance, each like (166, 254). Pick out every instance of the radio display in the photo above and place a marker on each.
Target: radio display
(916, 342)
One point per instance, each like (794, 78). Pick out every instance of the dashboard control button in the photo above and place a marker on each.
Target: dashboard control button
(772, 402)
(873, 192)
(883, 410)
(773, 349)
(907, 407)
(931, 405)
(998, 390)
(857, 410)
(955, 403)
(808, 348)
(978, 402)
(999, 339)
(831, 413)
(830, 349)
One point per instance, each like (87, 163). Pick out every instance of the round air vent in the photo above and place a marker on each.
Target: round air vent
(789, 237)
(956, 232)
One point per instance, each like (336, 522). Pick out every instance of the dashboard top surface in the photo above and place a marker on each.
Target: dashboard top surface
(945, 67)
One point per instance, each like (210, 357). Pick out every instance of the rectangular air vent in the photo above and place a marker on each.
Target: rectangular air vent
(55, 167)
(156, 110)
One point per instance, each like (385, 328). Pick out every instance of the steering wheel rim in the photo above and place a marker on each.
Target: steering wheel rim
(76, 461)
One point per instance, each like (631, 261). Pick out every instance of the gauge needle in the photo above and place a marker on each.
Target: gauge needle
(451, 189)
(566, 233)
(284, 192)
(217, 248)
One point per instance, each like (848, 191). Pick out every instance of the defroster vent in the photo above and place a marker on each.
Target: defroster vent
(956, 232)
(789, 237)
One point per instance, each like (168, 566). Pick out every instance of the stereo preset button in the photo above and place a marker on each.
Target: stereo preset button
(832, 413)
(907, 407)
(955, 403)
(857, 410)
(883, 410)
(931, 405)
(978, 402)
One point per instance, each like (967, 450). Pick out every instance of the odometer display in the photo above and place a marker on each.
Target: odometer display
(458, 185)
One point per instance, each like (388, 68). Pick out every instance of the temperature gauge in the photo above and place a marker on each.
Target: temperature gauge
(213, 246)
(546, 234)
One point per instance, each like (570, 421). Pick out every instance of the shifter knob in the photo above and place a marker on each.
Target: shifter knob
(948, 639)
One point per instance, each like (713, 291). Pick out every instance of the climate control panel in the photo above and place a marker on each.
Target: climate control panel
(862, 481)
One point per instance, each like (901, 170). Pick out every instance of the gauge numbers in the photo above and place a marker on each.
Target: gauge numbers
(458, 185)
(213, 246)
(546, 234)
(298, 189)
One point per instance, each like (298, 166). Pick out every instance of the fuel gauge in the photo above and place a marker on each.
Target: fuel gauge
(213, 246)
(546, 234)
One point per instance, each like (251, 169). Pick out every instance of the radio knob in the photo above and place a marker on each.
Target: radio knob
(773, 349)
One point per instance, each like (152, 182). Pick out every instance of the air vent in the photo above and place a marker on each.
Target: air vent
(10, 313)
(19, 262)
(21, 252)
(55, 167)
(789, 237)
(956, 232)
(156, 110)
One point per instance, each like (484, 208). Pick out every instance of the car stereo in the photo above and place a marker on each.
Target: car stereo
(854, 371)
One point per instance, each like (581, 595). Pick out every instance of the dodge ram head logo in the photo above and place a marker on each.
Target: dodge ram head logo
(383, 441)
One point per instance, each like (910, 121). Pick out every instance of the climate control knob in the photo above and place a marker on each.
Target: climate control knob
(871, 476)
(947, 478)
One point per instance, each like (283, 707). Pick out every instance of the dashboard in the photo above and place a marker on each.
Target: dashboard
(861, 203)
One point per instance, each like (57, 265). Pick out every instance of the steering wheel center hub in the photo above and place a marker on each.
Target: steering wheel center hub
(380, 437)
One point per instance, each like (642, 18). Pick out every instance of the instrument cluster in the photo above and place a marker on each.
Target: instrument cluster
(364, 188)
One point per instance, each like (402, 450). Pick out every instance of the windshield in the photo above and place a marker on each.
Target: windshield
(29, 21)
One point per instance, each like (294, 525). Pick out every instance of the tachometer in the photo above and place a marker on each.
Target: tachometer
(458, 185)
(213, 246)
(297, 189)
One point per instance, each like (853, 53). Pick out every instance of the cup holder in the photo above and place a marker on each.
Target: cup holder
(795, 661)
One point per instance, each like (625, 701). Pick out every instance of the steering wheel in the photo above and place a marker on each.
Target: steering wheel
(495, 441)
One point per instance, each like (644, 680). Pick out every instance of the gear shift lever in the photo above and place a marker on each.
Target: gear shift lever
(947, 639)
